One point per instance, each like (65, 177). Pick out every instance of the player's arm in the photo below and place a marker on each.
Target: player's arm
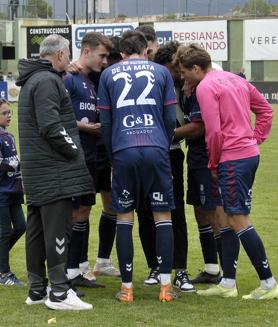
(104, 105)
(48, 119)
(264, 114)
(169, 118)
(170, 101)
(195, 128)
(209, 106)
(92, 128)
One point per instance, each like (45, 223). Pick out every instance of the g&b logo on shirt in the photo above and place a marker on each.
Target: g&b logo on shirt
(130, 121)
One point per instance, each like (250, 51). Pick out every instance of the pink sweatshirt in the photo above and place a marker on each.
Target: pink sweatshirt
(226, 101)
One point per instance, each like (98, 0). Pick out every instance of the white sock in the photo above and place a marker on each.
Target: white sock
(268, 284)
(165, 279)
(103, 260)
(84, 266)
(73, 272)
(228, 282)
(212, 268)
(127, 285)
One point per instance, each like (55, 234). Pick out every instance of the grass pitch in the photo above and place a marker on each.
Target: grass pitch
(189, 309)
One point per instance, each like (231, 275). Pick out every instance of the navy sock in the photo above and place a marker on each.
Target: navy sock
(106, 230)
(218, 240)
(230, 252)
(75, 245)
(208, 244)
(254, 248)
(164, 245)
(85, 246)
(124, 244)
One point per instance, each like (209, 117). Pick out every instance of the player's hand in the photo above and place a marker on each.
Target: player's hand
(74, 67)
(96, 128)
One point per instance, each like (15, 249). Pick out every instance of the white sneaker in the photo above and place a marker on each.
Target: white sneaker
(37, 298)
(67, 301)
(106, 269)
(89, 274)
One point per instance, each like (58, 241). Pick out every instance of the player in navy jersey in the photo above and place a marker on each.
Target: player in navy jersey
(137, 113)
(94, 51)
(12, 221)
(201, 190)
(107, 221)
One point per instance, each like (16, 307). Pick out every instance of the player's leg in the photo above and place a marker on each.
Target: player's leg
(199, 194)
(108, 218)
(244, 172)
(107, 231)
(80, 218)
(181, 279)
(159, 188)
(147, 234)
(125, 180)
(124, 245)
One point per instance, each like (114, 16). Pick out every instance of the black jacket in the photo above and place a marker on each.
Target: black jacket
(52, 159)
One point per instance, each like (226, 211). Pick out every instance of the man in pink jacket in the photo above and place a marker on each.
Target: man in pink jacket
(226, 102)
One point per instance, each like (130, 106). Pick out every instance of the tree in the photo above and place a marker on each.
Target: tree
(257, 8)
(39, 8)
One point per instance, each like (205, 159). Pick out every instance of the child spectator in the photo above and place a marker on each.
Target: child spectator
(12, 221)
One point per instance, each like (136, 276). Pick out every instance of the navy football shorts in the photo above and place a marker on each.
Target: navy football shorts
(202, 189)
(142, 170)
(86, 200)
(236, 179)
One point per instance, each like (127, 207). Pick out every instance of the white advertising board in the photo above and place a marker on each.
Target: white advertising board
(211, 35)
(261, 39)
(78, 31)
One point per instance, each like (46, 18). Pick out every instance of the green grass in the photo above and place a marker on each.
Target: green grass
(189, 309)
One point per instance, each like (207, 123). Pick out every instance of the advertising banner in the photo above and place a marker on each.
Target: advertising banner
(36, 34)
(261, 39)
(211, 35)
(78, 31)
(269, 90)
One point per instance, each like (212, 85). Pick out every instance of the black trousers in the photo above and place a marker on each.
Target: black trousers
(47, 235)
(146, 222)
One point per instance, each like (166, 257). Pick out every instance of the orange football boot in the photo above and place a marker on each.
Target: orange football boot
(125, 294)
(166, 293)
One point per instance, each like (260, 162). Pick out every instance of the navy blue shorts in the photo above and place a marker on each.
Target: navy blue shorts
(202, 189)
(86, 200)
(236, 179)
(142, 171)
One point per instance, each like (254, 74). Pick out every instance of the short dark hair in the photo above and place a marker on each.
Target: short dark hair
(165, 53)
(115, 53)
(191, 55)
(148, 31)
(133, 42)
(94, 39)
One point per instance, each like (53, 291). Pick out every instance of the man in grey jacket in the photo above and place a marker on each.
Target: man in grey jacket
(53, 170)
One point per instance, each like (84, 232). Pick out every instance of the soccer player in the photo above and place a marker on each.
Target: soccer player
(150, 35)
(94, 52)
(164, 56)
(202, 190)
(226, 101)
(147, 229)
(137, 113)
(107, 221)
